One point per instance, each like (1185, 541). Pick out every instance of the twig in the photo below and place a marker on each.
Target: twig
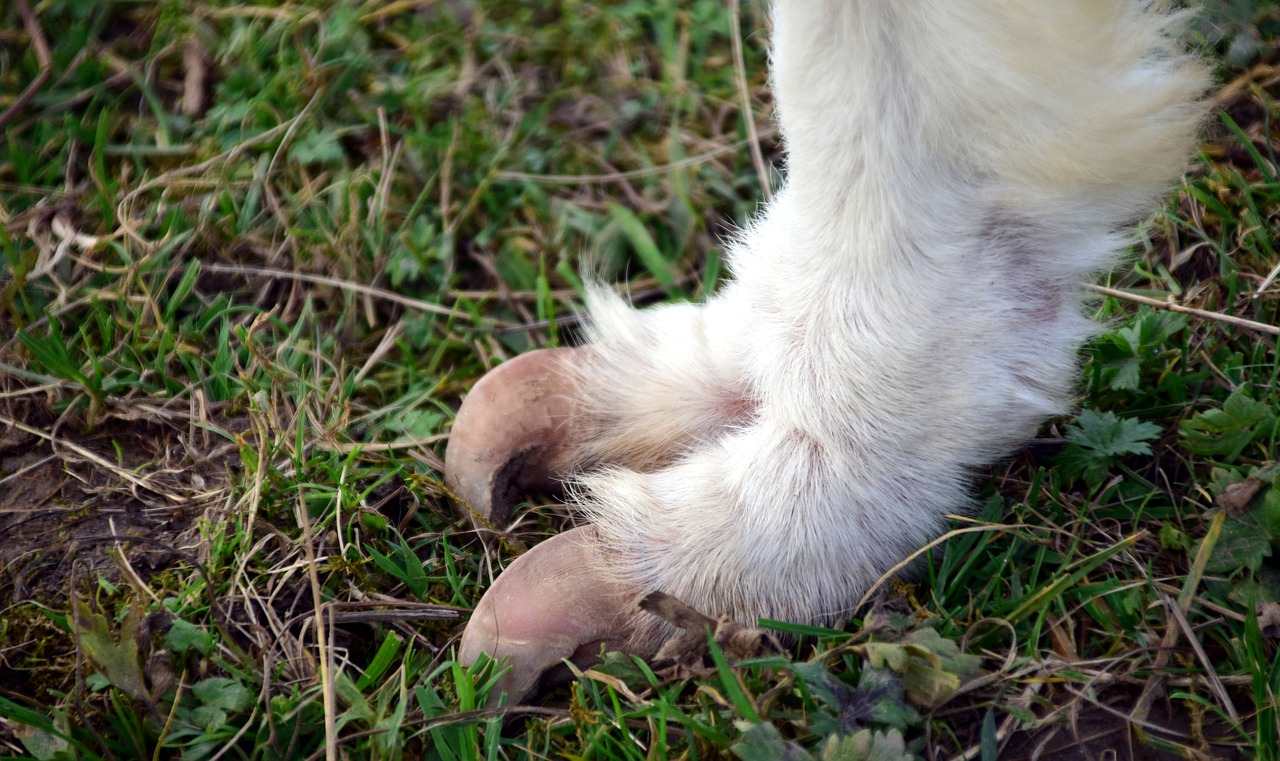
(22, 471)
(565, 321)
(325, 654)
(436, 613)
(381, 446)
(95, 459)
(740, 67)
(1172, 306)
(1154, 688)
(366, 290)
(195, 76)
(1215, 681)
(41, 46)
(585, 179)
(1271, 277)
(28, 390)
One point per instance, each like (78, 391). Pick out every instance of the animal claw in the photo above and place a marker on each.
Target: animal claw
(514, 434)
(554, 603)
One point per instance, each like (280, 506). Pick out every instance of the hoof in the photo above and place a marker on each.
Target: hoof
(555, 602)
(514, 434)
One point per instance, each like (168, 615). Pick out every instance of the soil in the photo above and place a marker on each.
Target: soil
(61, 508)
(1092, 732)
(117, 504)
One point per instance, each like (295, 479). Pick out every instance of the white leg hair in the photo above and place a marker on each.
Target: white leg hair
(643, 414)
(905, 310)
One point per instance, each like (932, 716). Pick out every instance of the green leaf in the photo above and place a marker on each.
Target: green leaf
(1097, 439)
(209, 717)
(1268, 512)
(867, 745)
(642, 243)
(97, 682)
(183, 636)
(732, 687)
(43, 745)
(418, 423)
(185, 286)
(382, 661)
(1111, 435)
(1173, 538)
(118, 659)
(358, 706)
(1242, 545)
(222, 692)
(1124, 353)
(819, 680)
(763, 742)
(990, 743)
(890, 655)
(374, 521)
(403, 564)
(952, 658)
(1246, 540)
(403, 267)
(1037, 600)
(927, 683)
(52, 353)
(47, 738)
(1128, 375)
(316, 147)
(889, 706)
(1226, 432)
(932, 667)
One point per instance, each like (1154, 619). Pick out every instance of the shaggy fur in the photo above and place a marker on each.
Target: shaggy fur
(905, 310)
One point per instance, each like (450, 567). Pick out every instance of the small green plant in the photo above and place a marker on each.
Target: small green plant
(903, 668)
(1227, 431)
(1096, 441)
(1134, 354)
(403, 563)
(1249, 522)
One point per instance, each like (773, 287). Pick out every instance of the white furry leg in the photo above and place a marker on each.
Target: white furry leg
(904, 310)
(831, 473)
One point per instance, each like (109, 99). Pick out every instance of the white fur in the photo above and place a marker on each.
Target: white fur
(905, 310)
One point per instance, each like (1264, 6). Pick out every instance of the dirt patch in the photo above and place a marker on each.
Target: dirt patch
(67, 499)
(1086, 731)
(119, 503)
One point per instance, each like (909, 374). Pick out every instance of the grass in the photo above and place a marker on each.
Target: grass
(253, 255)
